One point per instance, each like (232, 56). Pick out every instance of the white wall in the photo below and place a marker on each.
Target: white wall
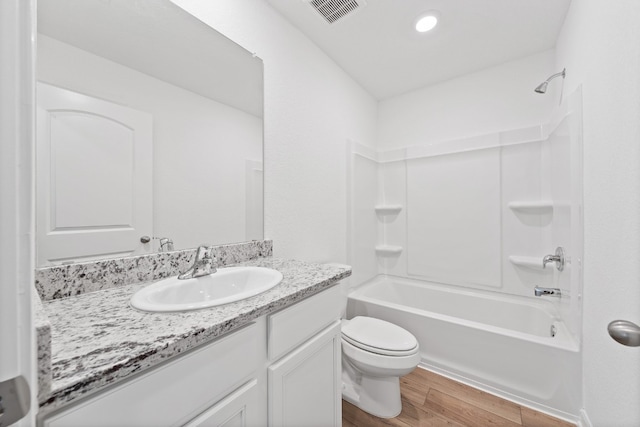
(311, 108)
(199, 145)
(599, 47)
(492, 100)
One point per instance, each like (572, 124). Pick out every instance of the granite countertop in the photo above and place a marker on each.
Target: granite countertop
(97, 338)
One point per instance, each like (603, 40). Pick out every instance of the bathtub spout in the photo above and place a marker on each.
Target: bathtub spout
(540, 291)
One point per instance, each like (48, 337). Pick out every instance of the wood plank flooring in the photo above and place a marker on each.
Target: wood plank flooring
(430, 400)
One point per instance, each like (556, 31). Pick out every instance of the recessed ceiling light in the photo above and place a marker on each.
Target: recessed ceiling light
(426, 23)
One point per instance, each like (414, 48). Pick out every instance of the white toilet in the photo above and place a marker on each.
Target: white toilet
(375, 354)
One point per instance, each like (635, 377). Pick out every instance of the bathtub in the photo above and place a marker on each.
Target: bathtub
(511, 346)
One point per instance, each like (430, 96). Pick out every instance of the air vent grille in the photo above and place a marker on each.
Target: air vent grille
(333, 10)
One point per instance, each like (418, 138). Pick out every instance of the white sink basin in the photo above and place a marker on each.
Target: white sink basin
(224, 286)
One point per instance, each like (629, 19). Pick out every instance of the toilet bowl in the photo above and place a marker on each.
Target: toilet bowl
(375, 354)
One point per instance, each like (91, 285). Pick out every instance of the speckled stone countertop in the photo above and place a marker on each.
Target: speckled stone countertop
(97, 338)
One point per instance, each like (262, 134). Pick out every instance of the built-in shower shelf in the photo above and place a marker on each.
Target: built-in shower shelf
(534, 263)
(533, 206)
(388, 250)
(388, 209)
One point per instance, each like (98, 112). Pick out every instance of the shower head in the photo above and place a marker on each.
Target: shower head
(542, 87)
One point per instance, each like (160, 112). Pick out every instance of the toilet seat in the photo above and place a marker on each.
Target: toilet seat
(379, 337)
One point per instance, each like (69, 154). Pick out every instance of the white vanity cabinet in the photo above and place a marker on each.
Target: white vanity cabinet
(281, 370)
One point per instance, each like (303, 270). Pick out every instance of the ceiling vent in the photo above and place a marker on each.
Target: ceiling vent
(334, 10)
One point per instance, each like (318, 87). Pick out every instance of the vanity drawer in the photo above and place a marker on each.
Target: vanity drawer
(294, 325)
(174, 393)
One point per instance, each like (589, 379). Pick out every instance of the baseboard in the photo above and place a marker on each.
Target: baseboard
(584, 421)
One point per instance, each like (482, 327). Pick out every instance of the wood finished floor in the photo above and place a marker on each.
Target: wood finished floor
(429, 400)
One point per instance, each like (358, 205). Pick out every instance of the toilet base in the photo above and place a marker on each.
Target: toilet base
(378, 396)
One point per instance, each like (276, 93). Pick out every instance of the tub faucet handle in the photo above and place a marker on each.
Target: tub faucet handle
(558, 258)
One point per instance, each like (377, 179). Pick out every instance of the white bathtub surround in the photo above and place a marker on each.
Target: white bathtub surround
(98, 339)
(498, 343)
(375, 355)
(75, 279)
(477, 212)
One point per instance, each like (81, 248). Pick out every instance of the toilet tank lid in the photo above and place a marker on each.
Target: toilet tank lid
(378, 333)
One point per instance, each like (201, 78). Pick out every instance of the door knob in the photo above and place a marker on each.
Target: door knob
(625, 332)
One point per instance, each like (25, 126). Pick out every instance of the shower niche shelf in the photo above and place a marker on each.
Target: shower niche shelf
(534, 263)
(388, 250)
(533, 206)
(388, 209)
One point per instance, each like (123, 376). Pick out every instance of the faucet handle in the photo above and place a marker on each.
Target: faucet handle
(558, 258)
(204, 255)
(201, 249)
(166, 244)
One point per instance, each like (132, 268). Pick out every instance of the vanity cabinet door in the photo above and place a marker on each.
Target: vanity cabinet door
(242, 408)
(305, 386)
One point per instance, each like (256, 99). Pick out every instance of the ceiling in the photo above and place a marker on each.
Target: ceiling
(377, 45)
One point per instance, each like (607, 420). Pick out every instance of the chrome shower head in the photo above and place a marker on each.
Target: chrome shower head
(542, 87)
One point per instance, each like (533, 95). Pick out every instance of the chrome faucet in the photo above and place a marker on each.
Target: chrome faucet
(552, 292)
(202, 265)
(166, 244)
(558, 258)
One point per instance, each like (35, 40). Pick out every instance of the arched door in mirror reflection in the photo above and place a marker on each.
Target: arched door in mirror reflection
(94, 189)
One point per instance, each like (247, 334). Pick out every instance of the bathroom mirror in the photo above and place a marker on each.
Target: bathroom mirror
(149, 126)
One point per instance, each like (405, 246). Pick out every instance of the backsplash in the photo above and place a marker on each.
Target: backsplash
(67, 280)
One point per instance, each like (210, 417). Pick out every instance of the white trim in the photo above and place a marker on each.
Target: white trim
(17, 110)
(363, 151)
(507, 138)
(583, 420)
(461, 145)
